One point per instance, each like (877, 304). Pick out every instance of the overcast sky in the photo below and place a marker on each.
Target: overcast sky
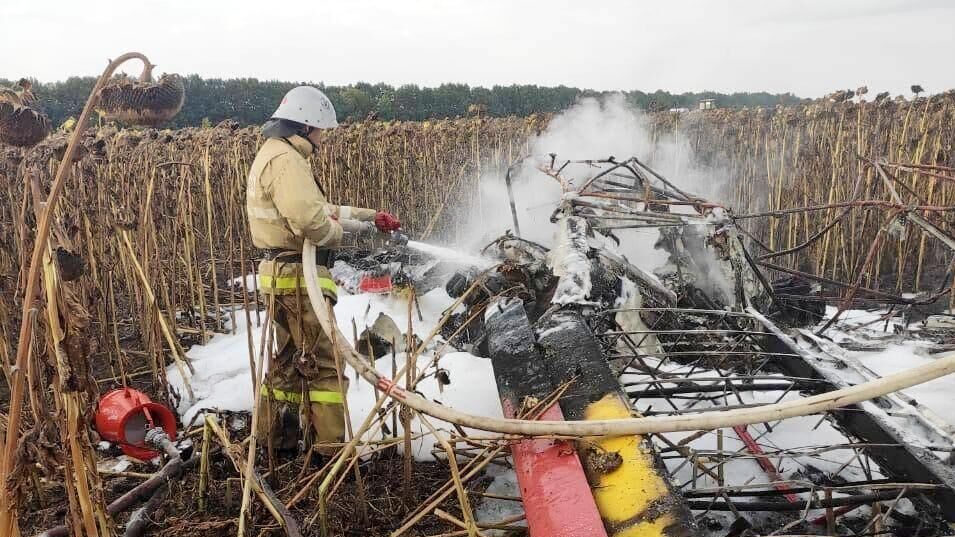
(809, 48)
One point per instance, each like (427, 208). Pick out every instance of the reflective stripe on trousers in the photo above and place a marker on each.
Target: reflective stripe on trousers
(294, 282)
(314, 396)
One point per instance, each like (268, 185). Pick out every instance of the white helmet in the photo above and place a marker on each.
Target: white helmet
(308, 106)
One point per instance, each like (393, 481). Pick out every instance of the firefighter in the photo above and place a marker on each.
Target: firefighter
(301, 394)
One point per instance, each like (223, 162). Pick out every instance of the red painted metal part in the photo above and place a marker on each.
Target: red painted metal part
(557, 499)
(127, 412)
(375, 284)
(767, 465)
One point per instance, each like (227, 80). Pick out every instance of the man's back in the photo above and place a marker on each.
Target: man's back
(283, 203)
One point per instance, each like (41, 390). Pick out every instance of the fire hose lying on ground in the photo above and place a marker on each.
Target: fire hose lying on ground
(153, 489)
(631, 426)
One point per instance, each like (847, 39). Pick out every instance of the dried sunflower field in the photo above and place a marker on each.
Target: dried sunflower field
(154, 220)
(178, 196)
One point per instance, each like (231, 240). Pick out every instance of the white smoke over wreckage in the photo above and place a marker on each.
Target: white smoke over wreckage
(592, 129)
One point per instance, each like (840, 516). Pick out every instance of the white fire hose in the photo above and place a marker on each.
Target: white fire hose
(630, 426)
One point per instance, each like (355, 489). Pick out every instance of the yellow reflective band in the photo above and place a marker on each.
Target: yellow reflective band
(281, 282)
(320, 396)
(281, 395)
(328, 284)
(314, 396)
(293, 282)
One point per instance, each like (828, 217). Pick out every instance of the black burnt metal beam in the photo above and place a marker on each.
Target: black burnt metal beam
(893, 452)
(572, 354)
(519, 368)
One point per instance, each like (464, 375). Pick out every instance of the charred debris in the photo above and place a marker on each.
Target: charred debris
(713, 323)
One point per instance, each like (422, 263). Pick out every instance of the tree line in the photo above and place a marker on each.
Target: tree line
(250, 101)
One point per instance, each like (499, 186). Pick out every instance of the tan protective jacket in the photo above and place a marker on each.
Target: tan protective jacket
(285, 206)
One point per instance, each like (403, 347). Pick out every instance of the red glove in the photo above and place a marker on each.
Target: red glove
(386, 222)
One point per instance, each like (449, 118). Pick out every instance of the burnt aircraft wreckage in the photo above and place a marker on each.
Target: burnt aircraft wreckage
(579, 325)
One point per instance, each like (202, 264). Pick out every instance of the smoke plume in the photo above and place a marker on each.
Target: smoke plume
(591, 129)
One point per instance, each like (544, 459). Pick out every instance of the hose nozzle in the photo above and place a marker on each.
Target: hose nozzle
(398, 238)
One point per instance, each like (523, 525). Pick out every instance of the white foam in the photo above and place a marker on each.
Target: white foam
(222, 380)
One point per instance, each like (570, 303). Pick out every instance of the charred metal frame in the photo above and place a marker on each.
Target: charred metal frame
(917, 471)
(738, 344)
(879, 423)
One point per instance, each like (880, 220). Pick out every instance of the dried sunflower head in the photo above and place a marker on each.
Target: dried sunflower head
(21, 123)
(142, 102)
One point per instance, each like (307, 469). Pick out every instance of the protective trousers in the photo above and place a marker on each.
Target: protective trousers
(301, 395)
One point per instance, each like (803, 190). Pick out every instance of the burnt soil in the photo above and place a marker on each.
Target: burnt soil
(179, 516)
